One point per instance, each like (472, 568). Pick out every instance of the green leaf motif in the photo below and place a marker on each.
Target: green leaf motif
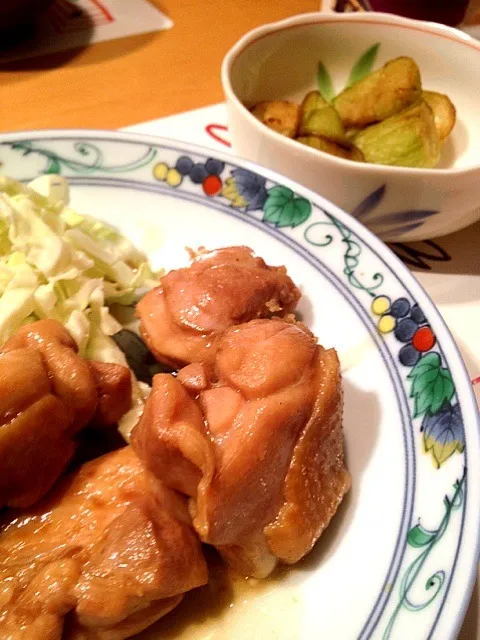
(444, 391)
(282, 194)
(91, 160)
(364, 65)
(410, 590)
(283, 209)
(432, 385)
(53, 166)
(325, 84)
(419, 537)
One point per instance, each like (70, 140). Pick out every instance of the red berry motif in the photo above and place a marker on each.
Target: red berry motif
(212, 185)
(424, 339)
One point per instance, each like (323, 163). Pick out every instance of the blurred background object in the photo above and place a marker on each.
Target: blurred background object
(449, 12)
(69, 26)
(17, 14)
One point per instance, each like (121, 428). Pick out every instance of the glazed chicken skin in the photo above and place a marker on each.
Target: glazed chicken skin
(182, 320)
(108, 552)
(255, 440)
(47, 394)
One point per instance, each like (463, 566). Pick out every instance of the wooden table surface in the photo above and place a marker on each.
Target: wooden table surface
(121, 82)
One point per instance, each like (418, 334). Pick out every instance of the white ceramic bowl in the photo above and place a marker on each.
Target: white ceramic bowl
(280, 61)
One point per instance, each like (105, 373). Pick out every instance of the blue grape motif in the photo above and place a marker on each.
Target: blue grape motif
(409, 325)
(417, 315)
(184, 165)
(405, 329)
(408, 355)
(198, 173)
(214, 167)
(400, 308)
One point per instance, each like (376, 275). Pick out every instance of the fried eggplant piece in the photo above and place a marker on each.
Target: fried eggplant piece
(318, 118)
(407, 139)
(349, 152)
(280, 115)
(381, 94)
(444, 113)
(351, 133)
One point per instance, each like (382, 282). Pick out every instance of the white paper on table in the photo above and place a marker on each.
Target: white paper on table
(206, 126)
(76, 23)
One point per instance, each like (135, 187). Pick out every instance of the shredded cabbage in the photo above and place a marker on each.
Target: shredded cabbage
(57, 263)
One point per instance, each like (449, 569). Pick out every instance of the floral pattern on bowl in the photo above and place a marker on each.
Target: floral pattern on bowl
(260, 67)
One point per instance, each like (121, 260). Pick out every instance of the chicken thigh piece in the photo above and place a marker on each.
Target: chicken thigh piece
(182, 320)
(256, 441)
(47, 394)
(105, 554)
(113, 383)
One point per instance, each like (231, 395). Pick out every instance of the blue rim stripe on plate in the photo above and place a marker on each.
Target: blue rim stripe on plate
(407, 281)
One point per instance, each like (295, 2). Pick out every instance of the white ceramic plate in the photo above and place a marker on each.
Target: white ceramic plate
(400, 558)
